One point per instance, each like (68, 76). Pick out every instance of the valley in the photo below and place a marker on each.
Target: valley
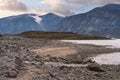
(53, 46)
(40, 59)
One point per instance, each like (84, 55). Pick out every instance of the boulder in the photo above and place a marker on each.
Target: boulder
(0, 35)
(95, 67)
(11, 74)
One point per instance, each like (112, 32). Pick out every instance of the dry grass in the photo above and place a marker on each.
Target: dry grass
(58, 35)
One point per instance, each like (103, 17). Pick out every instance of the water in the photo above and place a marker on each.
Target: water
(108, 59)
(115, 43)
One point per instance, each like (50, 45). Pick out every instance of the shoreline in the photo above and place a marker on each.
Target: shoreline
(20, 63)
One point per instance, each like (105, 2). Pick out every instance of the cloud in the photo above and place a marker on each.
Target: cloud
(62, 7)
(104, 2)
(12, 5)
(40, 11)
(70, 7)
(66, 7)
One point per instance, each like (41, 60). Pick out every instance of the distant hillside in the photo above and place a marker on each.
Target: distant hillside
(28, 22)
(101, 21)
(58, 35)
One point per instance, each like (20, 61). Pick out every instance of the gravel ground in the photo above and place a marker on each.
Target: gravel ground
(18, 62)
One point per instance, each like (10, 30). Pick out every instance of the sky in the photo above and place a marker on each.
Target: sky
(41, 7)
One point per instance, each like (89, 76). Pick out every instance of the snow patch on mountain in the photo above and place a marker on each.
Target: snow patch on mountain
(37, 18)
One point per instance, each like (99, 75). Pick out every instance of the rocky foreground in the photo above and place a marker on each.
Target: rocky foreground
(33, 59)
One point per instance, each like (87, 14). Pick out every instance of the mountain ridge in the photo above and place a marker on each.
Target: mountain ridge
(100, 21)
(28, 22)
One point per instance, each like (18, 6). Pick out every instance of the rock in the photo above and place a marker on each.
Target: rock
(88, 61)
(0, 35)
(18, 61)
(16, 58)
(38, 64)
(62, 67)
(95, 67)
(11, 74)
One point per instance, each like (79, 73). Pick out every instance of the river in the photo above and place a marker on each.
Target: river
(108, 59)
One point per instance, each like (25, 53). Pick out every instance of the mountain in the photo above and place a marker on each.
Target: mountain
(28, 22)
(101, 21)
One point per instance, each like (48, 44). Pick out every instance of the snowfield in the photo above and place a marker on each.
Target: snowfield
(108, 59)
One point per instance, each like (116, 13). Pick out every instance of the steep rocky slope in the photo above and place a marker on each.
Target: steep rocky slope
(102, 21)
(28, 22)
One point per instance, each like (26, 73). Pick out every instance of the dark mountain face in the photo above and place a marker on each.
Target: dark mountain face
(50, 20)
(113, 6)
(101, 21)
(28, 22)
